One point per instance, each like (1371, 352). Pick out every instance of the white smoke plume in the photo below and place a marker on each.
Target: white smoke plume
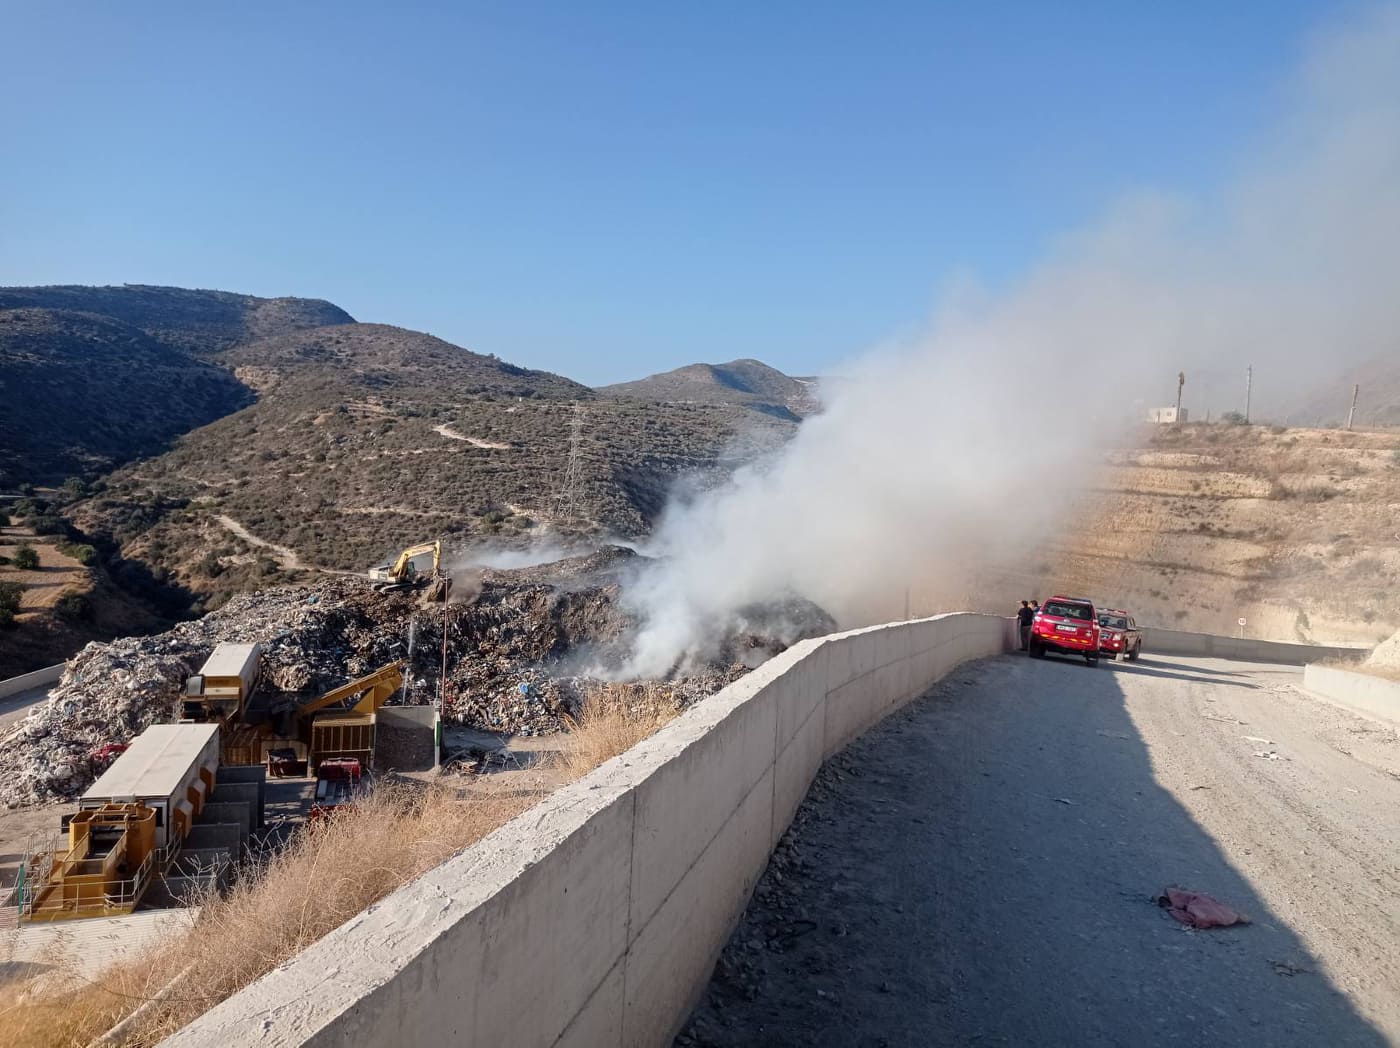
(940, 452)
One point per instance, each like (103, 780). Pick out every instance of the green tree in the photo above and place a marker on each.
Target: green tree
(26, 559)
(73, 606)
(74, 488)
(10, 592)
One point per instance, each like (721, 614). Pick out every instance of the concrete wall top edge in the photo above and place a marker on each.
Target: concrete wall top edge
(311, 991)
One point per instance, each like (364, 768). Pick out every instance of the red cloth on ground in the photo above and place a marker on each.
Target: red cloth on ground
(1201, 911)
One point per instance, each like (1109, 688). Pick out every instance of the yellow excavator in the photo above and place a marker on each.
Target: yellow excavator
(415, 567)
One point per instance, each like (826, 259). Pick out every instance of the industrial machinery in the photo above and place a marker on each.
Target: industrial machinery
(220, 690)
(132, 825)
(338, 783)
(293, 739)
(415, 567)
(348, 729)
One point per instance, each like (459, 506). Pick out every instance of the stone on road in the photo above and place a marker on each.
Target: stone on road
(981, 869)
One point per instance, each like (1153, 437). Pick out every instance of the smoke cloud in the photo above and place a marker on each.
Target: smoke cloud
(939, 453)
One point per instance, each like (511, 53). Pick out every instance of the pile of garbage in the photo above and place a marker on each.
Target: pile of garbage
(313, 637)
(522, 646)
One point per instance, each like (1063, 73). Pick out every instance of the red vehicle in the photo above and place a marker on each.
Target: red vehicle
(337, 785)
(1067, 625)
(1119, 636)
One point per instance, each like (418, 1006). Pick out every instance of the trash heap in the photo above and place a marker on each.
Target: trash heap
(313, 637)
(522, 647)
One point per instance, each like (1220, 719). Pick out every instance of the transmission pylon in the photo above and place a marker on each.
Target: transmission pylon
(566, 507)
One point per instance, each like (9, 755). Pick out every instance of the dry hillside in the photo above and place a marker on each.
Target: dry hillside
(80, 392)
(365, 438)
(194, 321)
(1295, 530)
(746, 383)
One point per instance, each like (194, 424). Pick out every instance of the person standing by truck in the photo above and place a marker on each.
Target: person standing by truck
(1024, 614)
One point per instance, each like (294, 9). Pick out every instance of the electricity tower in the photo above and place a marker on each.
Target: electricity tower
(566, 505)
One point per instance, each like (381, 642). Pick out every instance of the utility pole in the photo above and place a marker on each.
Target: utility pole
(442, 684)
(1356, 389)
(1180, 385)
(1248, 390)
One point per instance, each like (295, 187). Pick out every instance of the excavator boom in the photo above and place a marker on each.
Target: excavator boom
(376, 687)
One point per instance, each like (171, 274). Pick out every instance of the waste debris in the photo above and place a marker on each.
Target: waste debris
(522, 647)
(1198, 910)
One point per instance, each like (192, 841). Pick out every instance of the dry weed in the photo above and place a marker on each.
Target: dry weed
(325, 875)
(614, 718)
(283, 902)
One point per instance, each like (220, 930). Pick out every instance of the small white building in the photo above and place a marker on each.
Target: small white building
(1166, 416)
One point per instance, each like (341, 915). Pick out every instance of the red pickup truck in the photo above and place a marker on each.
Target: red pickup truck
(1068, 625)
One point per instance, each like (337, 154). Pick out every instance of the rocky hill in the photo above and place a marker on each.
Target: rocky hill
(80, 392)
(196, 321)
(1378, 403)
(366, 438)
(1293, 530)
(91, 377)
(742, 383)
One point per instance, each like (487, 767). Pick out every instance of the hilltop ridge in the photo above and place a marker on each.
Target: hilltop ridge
(745, 383)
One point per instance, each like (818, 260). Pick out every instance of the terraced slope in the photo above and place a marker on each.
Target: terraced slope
(1297, 531)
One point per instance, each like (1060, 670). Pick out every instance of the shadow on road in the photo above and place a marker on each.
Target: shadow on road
(981, 869)
(1159, 668)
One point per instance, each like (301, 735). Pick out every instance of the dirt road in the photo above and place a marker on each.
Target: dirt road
(981, 870)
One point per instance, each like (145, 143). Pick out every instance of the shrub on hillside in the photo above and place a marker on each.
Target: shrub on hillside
(10, 593)
(73, 607)
(80, 551)
(74, 488)
(1234, 418)
(26, 559)
(48, 524)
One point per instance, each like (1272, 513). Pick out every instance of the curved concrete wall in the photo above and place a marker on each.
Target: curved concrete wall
(32, 679)
(1373, 696)
(1242, 649)
(596, 917)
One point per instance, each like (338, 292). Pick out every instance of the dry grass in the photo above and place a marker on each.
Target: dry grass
(614, 718)
(325, 875)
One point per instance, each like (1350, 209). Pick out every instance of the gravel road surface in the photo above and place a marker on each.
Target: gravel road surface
(982, 868)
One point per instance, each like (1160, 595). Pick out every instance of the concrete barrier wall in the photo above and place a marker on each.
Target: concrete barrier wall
(1242, 649)
(1374, 696)
(32, 679)
(596, 917)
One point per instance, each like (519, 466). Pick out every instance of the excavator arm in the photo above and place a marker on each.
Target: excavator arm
(373, 689)
(401, 567)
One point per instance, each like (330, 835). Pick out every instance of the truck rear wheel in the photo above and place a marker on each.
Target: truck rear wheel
(1092, 660)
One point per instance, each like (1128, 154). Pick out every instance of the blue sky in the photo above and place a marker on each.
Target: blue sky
(608, 190)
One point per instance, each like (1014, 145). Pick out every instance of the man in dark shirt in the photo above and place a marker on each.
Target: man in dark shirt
(1024, 614)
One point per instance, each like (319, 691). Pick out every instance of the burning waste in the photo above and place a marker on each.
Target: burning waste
(523, 648)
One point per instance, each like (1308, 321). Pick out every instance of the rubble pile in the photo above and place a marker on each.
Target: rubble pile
(523, 648)
(107, 696)
(313, 637)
